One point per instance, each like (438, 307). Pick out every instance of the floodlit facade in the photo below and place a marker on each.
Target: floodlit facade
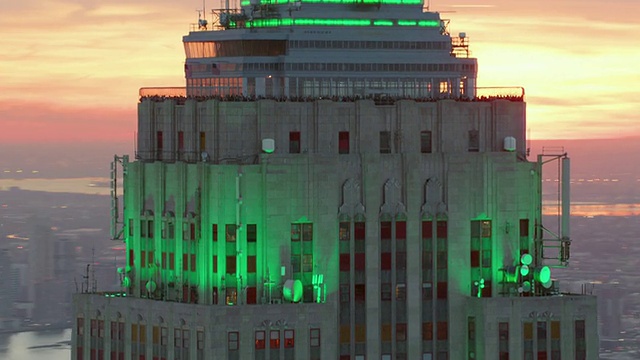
(331, 185)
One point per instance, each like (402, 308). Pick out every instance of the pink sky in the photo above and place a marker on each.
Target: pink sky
(70, 70)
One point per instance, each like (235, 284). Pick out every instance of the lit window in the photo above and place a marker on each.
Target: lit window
(274, 339)
(260, 340)
(289, 338)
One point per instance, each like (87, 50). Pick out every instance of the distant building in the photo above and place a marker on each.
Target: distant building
(332, 186)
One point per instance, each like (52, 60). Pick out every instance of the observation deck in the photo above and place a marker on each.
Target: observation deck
(327, 49)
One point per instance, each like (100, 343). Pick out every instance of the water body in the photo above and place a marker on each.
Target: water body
(36, 345)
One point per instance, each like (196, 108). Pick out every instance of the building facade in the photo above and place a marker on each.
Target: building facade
(375, 212)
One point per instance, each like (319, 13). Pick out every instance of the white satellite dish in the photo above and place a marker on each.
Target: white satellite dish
(204, 156)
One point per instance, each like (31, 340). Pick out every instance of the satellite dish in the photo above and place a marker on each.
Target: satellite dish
(292, 290)
(204, 156)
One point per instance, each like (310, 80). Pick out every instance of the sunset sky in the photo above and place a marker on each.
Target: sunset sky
(70, 70)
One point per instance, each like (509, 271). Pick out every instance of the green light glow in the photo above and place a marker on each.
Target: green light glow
(292, 290)
(480, 285)
(260, 23)
(543, 274)
(524, 270)
(526, 259)
(526, 286)
(382, 23)
(126, 282)
(511, 274)
(407, 22)
(429, 23)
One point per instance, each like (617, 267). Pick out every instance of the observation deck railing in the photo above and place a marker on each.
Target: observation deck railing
(512, 93)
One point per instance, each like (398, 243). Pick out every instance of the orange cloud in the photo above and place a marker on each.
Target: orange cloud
(70, 57)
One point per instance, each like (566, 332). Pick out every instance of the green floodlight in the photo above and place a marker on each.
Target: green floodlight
(542, 274)
(480, 285)
(151, 286)
(526, 259)
(292, 290)
(126, 282)
(526, 286)
(524, 270)
(511, 274)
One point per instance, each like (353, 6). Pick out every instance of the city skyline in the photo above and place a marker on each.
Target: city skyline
(74, 76)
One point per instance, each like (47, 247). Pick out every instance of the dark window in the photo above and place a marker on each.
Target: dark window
(230, 233)
(427, 331)
(233, 341)
(294, 142)
(251, 264)
(425, 142)
(385, 261)
(401, 332)
(443, 333)
(314, 338)
(441, 290)
(172, 261)
(385, 230)
(360, 261)
(401, 230)
(159, 142)
(203, 141)
(359, 231)
(385, 142)
(180, 140)
(252, 233)
(524, 227)
(214, 232)
(193, 262)
(252, 295)
(345, 262)
(343, 142)
(474, 141)
(360, 293)
(503, 340)
(231, 264)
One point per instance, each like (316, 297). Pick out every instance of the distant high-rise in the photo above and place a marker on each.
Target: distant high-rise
(331, 184)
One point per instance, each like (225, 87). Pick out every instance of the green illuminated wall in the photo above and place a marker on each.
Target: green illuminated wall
(280, 189)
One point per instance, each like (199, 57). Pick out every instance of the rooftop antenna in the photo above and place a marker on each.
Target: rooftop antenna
(202, 21)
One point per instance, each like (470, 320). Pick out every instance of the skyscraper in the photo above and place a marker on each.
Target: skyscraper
(332, 184)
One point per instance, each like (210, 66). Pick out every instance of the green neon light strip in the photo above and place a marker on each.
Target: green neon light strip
(382, 22)
(260, 23)
(369, 2)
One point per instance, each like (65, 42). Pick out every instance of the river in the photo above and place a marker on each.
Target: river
(36, 345)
